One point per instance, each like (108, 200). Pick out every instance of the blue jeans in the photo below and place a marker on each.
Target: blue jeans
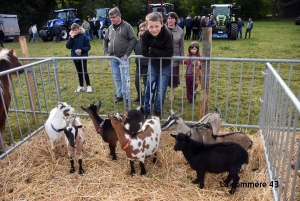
(34, 36)
(87, 33)
(157, 84)
(57, 37)
(91, 34)
(200, 35)
(99, 34)
(117, 76)
(240, 32)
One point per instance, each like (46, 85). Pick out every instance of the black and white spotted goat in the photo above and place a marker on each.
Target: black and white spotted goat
(75, 138)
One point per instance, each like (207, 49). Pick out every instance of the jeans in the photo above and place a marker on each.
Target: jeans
(57, 37)
(35, 35)
(117, 76)
(240, 32)
(248, 31)
(200, 35)
(91, 34)
(87, 33)
(99, 34)
(157, 84)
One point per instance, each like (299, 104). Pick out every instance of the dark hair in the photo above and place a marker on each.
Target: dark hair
(173, 15)
(192, 45)
(75, 26)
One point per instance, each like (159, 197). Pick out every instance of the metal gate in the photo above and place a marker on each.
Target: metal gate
(236, 86)
(279, 126)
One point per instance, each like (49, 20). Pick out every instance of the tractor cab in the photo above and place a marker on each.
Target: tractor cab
(225, 19)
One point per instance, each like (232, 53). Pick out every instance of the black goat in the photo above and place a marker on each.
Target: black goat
(214, 158)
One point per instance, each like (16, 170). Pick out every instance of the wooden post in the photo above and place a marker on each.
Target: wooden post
(205, 77)
(25, 54)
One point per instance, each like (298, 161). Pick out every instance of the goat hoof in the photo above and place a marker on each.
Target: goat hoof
(81, 171)
(154, 160)
(195, 181)
(231, 192)
(114, 158)
(143, 173)
(72, 170)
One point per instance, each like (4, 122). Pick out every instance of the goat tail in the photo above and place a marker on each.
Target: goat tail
(217, 110)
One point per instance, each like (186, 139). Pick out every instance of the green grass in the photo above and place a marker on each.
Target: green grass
(269, 40)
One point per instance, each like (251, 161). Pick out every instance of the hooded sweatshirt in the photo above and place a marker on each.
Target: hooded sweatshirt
(80, 41)
(120, 41)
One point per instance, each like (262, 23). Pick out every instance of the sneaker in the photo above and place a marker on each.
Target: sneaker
(89, 89)
(79, 89)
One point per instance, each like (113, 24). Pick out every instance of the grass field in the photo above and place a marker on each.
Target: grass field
(29, 173)
(235, 86)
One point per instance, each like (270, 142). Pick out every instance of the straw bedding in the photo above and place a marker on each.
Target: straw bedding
(30, 174)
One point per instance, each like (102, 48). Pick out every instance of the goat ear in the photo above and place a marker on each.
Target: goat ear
(79, 126)
(174, 136)
(172, 113)
(83, 108)
(189, 134)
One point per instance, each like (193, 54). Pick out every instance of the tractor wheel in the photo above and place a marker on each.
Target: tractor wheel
(104, 31)
(64, 35)
(233, 31)
(47, 39)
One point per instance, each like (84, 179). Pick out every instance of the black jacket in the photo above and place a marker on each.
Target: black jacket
(80, 41)
(159, 46)
(138, 51)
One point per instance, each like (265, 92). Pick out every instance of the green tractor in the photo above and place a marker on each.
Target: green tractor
(227, 26)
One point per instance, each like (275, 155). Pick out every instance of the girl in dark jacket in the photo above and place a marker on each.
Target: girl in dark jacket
(80, 45)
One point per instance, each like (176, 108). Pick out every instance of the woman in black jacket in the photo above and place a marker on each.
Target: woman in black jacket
(80, 45)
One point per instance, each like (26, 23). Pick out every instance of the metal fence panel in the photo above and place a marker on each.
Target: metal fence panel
(235, 86)
(279, 126)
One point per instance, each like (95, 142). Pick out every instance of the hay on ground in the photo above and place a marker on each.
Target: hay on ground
(30, 174)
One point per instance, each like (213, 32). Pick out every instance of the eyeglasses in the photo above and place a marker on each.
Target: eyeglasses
(113, 17)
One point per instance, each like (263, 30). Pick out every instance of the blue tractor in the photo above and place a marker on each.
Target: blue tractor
(104, 18)
(65, 18)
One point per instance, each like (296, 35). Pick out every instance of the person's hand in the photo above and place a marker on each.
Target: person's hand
(107, 54)
(72, 34)
(125, 57)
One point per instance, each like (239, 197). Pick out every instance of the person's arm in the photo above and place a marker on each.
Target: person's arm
(87, 45)
(145, 45)
(167, 51)
(105, 43)
(70, 42)
(181, 44)
(132, 39)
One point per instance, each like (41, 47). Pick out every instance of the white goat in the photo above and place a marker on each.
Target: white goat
(57, 121)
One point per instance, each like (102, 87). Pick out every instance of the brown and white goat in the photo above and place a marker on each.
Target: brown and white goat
(133, 122)
(75, 138)
(140, 144)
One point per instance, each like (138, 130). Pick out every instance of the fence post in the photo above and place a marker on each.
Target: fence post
(57, 85)
(205, 77)
(25, 54)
